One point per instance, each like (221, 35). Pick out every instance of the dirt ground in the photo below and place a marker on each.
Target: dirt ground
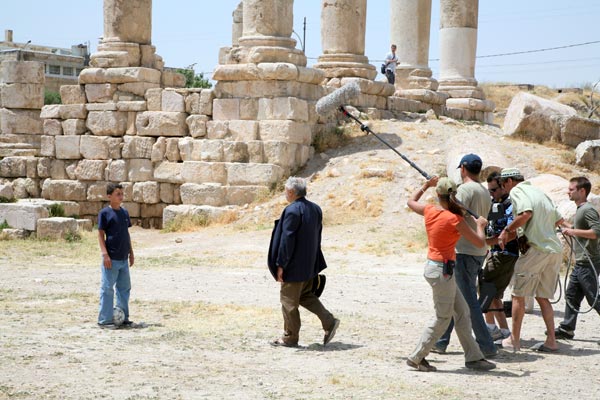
(206, 305)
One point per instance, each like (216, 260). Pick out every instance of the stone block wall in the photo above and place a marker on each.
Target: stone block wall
(21, 98)
(171, 146)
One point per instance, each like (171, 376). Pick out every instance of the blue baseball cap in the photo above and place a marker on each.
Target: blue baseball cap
(472, 162)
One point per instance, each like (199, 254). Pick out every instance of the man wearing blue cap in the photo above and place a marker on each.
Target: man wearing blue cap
(470, 258)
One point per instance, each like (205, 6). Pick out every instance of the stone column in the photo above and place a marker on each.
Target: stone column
(127, 36)
(267, 31)
(410, 25)
(127, 21)
(458, 48)
(458, 45)
(237, 27)
(343, 24)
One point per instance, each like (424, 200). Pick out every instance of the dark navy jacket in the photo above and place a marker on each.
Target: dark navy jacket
(296, 242)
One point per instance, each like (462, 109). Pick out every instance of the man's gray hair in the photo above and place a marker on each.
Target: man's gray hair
(297, 185)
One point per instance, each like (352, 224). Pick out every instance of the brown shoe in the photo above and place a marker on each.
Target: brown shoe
(481, 365)
(423, 366)
(331, 332)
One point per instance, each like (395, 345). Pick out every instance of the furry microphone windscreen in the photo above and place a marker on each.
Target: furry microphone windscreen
(337, 98)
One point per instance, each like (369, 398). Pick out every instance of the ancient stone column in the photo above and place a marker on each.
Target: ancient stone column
(458, 48)
(410, 25)
(237, 27)
(127, 36)
(343, 24)
(458, 44)
(127, 21)
(267, 31)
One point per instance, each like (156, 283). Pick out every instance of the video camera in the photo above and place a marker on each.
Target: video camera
(497, 220)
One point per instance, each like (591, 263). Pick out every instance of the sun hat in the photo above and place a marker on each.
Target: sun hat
(445, 186)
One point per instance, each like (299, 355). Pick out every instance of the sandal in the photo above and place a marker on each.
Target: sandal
(279, 342)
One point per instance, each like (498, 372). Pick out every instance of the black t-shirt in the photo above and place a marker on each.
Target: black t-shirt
(115, 224)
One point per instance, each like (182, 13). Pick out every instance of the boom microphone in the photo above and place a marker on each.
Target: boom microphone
(337, 98)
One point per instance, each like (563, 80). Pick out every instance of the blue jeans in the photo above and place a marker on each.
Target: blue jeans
(466, 273)
(117, 276)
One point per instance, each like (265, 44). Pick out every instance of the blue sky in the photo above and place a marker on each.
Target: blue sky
(189, 32)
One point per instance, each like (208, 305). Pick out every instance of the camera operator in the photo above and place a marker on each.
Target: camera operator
(500, 263)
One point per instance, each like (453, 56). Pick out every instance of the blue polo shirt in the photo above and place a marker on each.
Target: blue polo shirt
(115, 224)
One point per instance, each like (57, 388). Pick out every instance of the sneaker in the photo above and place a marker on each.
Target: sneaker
(107, 326)
(127, 323)
(423, 366)
(480, 365)
(562, 333)
(331, 332)
(496, 333)
(438, 350)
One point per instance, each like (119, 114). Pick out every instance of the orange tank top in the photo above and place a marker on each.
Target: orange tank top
(442, 234)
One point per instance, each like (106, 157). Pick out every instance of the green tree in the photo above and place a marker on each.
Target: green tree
(51, 97)
(193, 80)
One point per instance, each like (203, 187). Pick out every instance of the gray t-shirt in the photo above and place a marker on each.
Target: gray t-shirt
(586, 218)
(477, 199)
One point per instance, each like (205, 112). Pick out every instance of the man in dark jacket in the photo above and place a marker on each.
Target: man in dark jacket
(295, 260)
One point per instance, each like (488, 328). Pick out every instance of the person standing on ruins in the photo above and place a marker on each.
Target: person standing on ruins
(537, 269)
(391, 60)
(295, 260)
(116, 249)
(445, 224)
(469, 257)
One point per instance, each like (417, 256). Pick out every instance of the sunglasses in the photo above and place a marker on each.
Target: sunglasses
(493, 190)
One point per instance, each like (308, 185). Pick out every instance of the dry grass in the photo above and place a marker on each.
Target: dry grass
(414, 241)
(383, 174)
(59, 251)
(336, 137)
(352, 207)
(549, 167)
(191, 223)
(500, 95)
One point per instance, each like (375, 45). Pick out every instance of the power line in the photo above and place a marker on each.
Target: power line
(531, 51)
(506, 54)
(538, 63)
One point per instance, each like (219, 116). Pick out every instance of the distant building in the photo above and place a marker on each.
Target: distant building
(62, 65)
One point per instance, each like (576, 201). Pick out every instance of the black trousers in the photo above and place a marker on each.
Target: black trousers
(391, 76)
(583, 282)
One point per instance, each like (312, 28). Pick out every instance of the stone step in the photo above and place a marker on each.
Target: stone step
(217, 195)
(171, 212)
(17, 149)
(10, 152)
(33, 140)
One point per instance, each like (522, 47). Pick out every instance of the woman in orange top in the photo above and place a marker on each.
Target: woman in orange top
(445, 224)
